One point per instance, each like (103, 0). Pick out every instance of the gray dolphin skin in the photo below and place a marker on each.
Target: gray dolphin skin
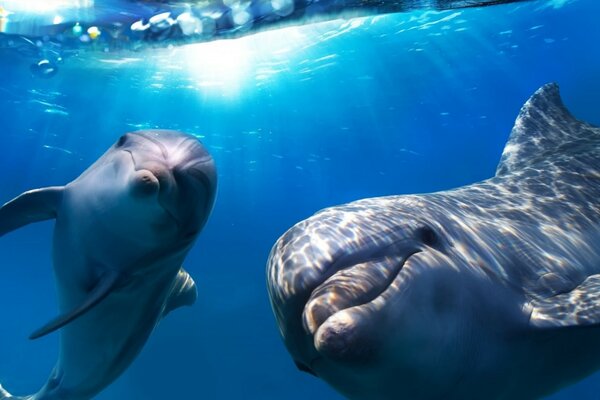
(122, 231)
(488, 291)
(133, 24)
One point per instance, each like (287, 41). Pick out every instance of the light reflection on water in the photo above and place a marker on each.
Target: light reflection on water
(226, 67)
(44, 5)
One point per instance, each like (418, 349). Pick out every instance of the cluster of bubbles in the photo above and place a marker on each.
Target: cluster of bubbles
(170, 22)
(210, 20)
(161, 24)
(53, 34)
(47, 55)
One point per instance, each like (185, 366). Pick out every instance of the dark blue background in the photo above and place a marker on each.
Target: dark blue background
(297, 119)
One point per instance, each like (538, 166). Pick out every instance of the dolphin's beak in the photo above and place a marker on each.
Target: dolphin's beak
(310, 260)
(351, 286)
(321, 271)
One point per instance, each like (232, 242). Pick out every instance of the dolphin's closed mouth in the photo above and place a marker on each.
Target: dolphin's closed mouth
(351, 286)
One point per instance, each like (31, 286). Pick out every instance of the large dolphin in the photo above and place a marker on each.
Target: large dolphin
(123, 229)
(488, 291)
(116, 24)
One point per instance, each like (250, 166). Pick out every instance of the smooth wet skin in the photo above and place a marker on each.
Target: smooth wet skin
(489, 291)
(123, 229)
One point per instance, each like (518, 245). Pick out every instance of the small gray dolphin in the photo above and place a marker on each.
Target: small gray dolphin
(488, 291)
(123, 229)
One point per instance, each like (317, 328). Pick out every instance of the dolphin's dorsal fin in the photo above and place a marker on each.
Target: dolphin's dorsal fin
(578, 307)
(183, 292)
(106, 284)
(542, 127)
(32, 206)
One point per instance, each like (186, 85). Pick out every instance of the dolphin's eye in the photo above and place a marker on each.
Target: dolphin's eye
(428, 236)
(122, 140)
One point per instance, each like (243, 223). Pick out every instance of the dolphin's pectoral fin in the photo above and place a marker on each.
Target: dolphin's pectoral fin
(183, 292)
(103, 288)
(579, 307)
(32, 206)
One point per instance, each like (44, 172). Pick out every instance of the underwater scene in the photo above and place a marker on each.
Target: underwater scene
(292, 118)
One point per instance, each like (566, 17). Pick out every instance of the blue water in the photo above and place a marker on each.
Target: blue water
(297, 119)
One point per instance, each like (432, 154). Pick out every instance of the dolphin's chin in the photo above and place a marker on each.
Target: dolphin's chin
(339, 298)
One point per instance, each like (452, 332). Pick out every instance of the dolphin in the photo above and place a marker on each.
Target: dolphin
(133, 24)
(122, 231)
(487, 291)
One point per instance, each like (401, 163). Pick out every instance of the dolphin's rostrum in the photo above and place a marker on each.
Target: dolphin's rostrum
(122, 231)
(489, 291)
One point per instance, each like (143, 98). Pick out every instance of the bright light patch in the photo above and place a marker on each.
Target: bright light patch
(189, 24)
(558, 3)
(4, 13)
(44, 5)
(282, 7)
(227, 66)
(224, 64)
(241, 17)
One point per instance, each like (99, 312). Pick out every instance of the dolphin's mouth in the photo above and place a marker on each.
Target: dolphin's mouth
(352, 286)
